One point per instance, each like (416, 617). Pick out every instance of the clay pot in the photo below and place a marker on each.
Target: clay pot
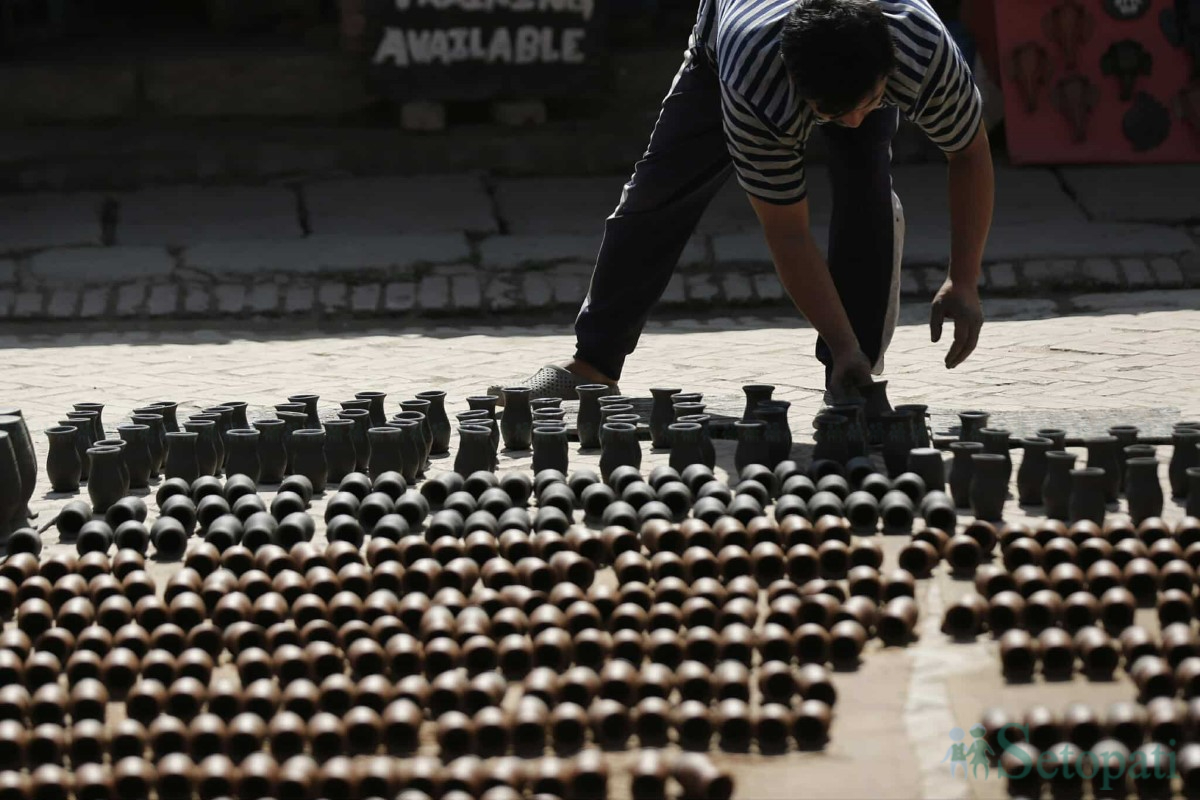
(1143, 489)
(699, 777)
(1056, 486)
(63, 465)
(961, 470)
(1087, 499)
(1018, 655)
(1184, 456)
(989, 484)
(1104, 452)
(965, 619)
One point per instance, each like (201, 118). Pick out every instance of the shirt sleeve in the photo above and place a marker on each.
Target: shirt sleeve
(767, 166)
(948, 107)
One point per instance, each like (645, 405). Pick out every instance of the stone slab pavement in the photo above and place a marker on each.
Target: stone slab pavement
(1131, 355)
(476, 242)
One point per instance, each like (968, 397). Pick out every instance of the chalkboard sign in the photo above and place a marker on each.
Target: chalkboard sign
(485, 49)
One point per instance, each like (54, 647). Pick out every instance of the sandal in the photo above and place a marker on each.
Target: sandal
(549, 381)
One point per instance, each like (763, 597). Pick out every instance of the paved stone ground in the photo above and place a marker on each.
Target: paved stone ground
(473, 242)
(1135, 355)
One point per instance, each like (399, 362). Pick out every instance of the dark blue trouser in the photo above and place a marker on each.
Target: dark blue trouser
(684, 166)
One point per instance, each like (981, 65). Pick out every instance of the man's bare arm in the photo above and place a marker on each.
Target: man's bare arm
(806, 279)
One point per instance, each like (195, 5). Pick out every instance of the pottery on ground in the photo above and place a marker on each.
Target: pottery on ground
(439, 423)
(989, 485)
(12, 503)
(272, 452)
(516, 424)
(474, 450)
(856, 425)
(157, 439)
(182, 460)
(752, 445)
(63, 467)
(1087, 495)
(1032, 472)
(243, 458)
(662, 414)
(619, 447)
(105, 483)
(550, 448)
(971, 423)
(12, 422)
(1143, 490)
(707, 448)
(779, 433)
(929, 464)
(340, 457)
(309, 401)
(587, 421)
(961, 470)
(308, 456)
(206, 450)
(361, 418)
(1185, 455)
(137, 454)
(919, 413)
(374, 406)
(1104, 452)
(1056, 488)
(831, 438)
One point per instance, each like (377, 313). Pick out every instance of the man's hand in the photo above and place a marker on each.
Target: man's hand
(850, 371)
(961, 304)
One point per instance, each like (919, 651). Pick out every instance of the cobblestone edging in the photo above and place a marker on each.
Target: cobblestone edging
(141, 283)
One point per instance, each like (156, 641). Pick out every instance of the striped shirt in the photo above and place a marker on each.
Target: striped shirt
(767, 126)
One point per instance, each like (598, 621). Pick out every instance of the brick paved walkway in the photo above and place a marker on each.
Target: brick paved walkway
(466, 243)
(1134, 355)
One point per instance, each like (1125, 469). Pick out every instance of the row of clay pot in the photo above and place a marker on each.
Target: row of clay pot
(174, 719)
(1111, 769)
(1177, 671)
(1131, 724)
(176, 776)
(1116, 466)
(432, 637)
(222, 439)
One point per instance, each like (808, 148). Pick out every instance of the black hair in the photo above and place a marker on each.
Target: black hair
(836, 52)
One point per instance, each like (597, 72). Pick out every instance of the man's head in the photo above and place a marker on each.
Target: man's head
(838, 54)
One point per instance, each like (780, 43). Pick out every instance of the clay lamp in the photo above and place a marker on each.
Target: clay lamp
(651, 722)
(262, 699)
(1057, 653)
(819, 609)
(1177, 574)
(88, 700)
(772, 725)
(1178, 642)
(1102, 576)
(648, 776)
(1141, 578)
(14, 702)
(1187, 677)
(965, 619)
(1117, 607)
(847, 639)
(899, 583)
(1043, 609)
(919, 558)
(1153, 677)
(1165, 720)
(42, 669)
(1079, 610)
(1018, 655)
(93, 781)
(1174, 606)
(1126, 723)
(301, 697)
(629, 646)
(514, 654)
(134, 777)
(896, 621)
(1127, 550)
